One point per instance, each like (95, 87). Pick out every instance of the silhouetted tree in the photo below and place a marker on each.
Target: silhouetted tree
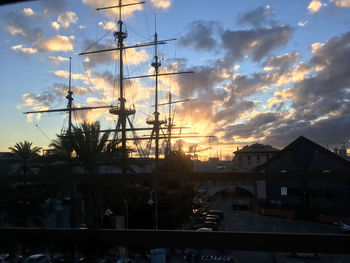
(24, 152)
(62, 146)
(87, 142)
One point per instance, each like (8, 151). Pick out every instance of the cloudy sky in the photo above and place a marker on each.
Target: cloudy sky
(265, 71)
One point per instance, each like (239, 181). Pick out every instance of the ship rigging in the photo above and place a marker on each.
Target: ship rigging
(123, 113)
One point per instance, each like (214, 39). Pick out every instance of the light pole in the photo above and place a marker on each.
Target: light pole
(126, 214)
(126, 225)
(151, 202)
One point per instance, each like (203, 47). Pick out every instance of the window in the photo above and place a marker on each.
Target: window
(284, 190)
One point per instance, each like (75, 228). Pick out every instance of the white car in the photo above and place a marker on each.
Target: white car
(345, 227)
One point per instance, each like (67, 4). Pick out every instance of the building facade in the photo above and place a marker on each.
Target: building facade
(254, 155)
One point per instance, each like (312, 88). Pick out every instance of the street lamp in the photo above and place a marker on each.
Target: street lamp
(151, 202)
(126, 214)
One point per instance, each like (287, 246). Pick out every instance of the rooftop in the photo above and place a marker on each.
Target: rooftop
(257, 148)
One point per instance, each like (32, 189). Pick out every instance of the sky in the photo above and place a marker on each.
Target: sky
(265, 71)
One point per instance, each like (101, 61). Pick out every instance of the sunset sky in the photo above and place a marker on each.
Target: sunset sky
(265, 71)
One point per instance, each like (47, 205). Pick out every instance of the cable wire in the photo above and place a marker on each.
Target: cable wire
(36, 125)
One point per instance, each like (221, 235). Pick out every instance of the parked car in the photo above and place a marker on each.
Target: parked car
(37, 258)
(305, 255)
(209, 221)
(211, 225)
(60, 259)
(209, 215)
(213, 218)
(10, 258)
(345, 227)
(126, 260)
(217, 212)
(203, 214)
(204, 229)
(214, 227)
(5, 258)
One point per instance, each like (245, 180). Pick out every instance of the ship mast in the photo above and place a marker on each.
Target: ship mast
(121, 111)
(156, 122)
(70, 107)
(70, 99)
(156, 66)
(122, 114)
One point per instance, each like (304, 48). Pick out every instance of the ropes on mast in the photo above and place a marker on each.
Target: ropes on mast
(36, 125)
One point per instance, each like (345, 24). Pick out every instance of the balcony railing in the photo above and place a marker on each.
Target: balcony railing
(248, 241)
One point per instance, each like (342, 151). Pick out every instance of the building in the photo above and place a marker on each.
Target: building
(254, 155)
(304, 155)
(310, 196)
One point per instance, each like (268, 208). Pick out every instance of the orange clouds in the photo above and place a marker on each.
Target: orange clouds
(314, 6)
(56, 43)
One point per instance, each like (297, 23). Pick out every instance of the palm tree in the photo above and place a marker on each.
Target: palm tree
(25, 152)
(62, 146)
(88, 142)
(85, 141)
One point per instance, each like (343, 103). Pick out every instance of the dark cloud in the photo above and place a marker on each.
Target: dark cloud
(318, 98)
(18, 24)
(201, 35)
(257, 17)
(333, 130)
(61, 90)
(232, 111)
(94, 60)
(54, 95)
(54, 5)
(319, 102)
(45, 99)
(281, 64)
(203, 78)
(257, 43)
(255, 127)
(327, 90)
(243, 86)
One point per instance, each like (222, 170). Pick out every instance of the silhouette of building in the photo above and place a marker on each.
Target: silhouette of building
(310, 196)
(304, 155)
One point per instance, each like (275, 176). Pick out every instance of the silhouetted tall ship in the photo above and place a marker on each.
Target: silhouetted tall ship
(161, 127)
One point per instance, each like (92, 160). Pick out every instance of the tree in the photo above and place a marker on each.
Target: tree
(62, 146)
(88, 142)
(25, 152)
(85, 141)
